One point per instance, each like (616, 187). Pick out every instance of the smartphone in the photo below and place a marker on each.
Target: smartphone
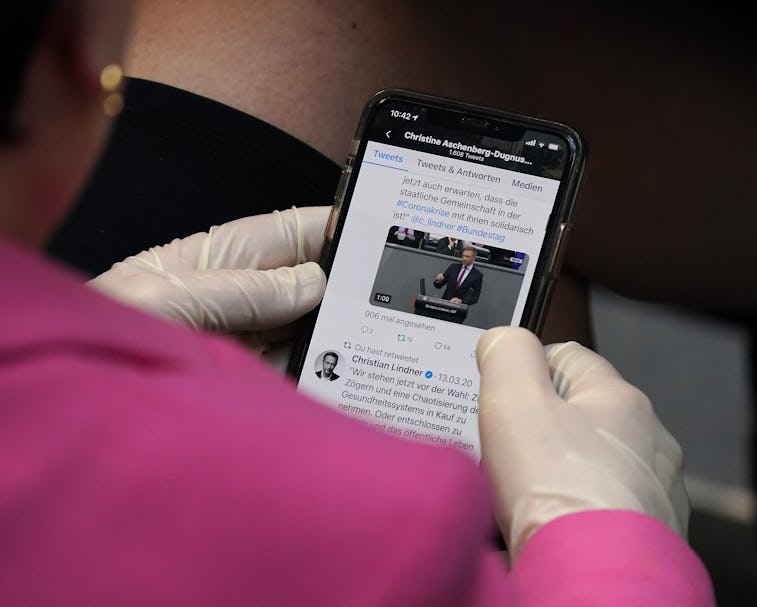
(448, 219)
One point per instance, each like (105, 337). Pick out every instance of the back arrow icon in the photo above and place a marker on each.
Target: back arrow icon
(387, 134)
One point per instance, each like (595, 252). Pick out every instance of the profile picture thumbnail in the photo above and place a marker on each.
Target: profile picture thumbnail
(327, 364)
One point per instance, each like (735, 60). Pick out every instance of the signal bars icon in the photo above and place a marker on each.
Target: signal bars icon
(531, 142)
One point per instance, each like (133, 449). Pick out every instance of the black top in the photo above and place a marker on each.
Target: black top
(178, 163)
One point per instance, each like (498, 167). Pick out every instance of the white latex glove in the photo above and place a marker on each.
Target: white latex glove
(234, 278)
(562, 432)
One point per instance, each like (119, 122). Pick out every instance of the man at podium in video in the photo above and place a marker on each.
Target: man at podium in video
(463, 281)
(463, 288)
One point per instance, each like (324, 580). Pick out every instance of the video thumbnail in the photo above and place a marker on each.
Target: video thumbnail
(443, 277)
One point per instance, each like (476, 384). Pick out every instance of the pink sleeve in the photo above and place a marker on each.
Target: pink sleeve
(616, 558)
(145, 464)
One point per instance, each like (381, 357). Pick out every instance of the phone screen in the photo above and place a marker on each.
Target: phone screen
(441, 236)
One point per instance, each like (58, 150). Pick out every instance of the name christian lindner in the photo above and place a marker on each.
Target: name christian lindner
(380, 364)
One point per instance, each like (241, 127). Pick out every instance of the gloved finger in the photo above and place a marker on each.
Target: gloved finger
(514, 425)
(232, 300)
(259, 242)
(586, 380)
(245, 300)
(284, 238)
(513, 370)
(577, 370)
(516, 404)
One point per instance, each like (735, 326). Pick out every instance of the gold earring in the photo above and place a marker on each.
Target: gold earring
(110, 83)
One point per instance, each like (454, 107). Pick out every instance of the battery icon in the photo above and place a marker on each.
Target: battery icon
(553, 146)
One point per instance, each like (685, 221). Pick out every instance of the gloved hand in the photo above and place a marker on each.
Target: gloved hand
(562, 432)
(234, 278)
